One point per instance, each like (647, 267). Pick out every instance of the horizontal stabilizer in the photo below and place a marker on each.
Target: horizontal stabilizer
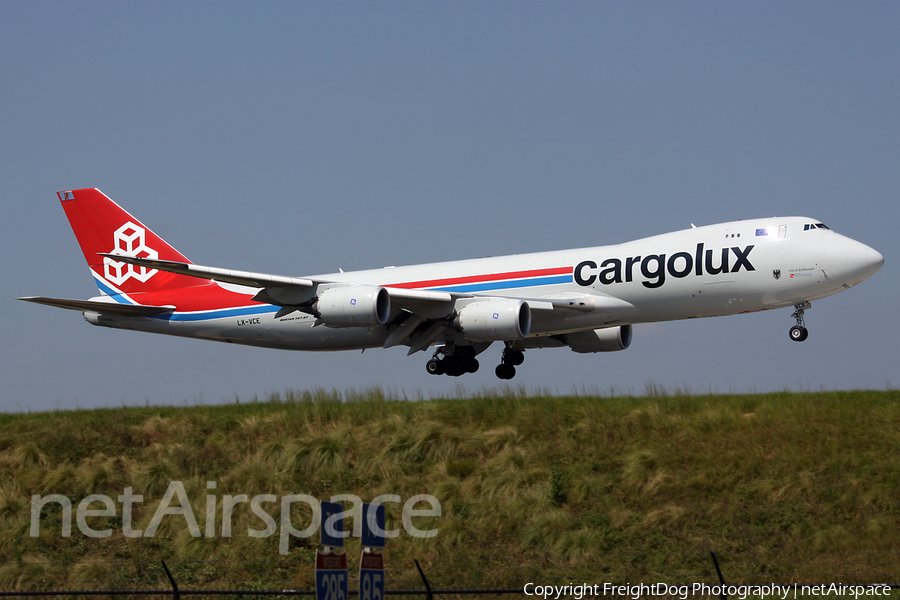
(108, 308)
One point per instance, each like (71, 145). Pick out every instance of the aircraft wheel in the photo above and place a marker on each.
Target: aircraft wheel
(471, 365)
(798, 333)
(505, 371)
(434, 367)
(465, 352)
(454, 366)
(514, 357)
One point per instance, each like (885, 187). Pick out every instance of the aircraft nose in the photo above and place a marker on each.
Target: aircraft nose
(874, 261)
(855, 261)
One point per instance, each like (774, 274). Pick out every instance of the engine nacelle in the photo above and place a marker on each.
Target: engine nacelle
(354, 306)
(609, 339)
(494, 320)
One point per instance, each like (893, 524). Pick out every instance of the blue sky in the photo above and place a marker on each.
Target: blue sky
(299, 138)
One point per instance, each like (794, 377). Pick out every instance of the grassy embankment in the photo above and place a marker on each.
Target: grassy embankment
(518, 477)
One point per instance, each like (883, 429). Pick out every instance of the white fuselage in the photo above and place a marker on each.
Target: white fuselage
(724, 269)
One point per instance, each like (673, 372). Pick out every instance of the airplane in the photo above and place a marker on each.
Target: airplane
(585, 299)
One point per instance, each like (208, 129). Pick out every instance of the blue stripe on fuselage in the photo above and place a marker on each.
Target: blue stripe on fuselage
(219, 314)
(504, 285)
(107, 290)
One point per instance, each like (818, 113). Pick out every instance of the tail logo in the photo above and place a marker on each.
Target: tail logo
(129, 240)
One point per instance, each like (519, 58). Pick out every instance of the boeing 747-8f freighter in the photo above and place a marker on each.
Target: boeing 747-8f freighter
(585, 299)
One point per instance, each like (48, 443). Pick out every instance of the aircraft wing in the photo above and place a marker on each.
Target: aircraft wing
(109, 308)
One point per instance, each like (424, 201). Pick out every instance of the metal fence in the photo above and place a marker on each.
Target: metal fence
(494, 576)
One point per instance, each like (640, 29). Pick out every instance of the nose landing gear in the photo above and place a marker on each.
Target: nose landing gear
(799, 332)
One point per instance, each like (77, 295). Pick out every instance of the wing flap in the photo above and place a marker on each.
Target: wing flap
(401, 294)
(597, 308)
(583, 303)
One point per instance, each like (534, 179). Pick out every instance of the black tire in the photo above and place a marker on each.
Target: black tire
(454, 366)
(465, 352)
(798, 334)
(515, 357)
(435, 367)
(505, 371)
(471, 365)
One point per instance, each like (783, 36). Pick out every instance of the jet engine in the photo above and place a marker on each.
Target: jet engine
(354, 306)
(609, 339)
(494, 320)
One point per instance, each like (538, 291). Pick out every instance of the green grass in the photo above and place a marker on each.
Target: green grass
(531, 482)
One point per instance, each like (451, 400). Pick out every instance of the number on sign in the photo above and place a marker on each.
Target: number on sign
(335, 586)
(371, 585)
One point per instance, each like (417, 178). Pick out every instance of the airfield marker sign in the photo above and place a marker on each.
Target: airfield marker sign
(332, 525)
(373, 526)
(371, 575)
(332, 576)
(371, 560)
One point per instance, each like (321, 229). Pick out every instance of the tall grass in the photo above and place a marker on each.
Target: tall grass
(516, 473)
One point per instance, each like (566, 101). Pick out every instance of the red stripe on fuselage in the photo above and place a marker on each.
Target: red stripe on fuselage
(430, 283)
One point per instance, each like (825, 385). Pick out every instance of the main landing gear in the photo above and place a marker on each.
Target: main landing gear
(457, 360)
(510, 360)
(799, 332)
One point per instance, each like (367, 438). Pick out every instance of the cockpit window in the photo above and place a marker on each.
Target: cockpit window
(822, 226)
(809, 226)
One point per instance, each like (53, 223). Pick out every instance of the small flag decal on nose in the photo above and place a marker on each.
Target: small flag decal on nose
(760, 232)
